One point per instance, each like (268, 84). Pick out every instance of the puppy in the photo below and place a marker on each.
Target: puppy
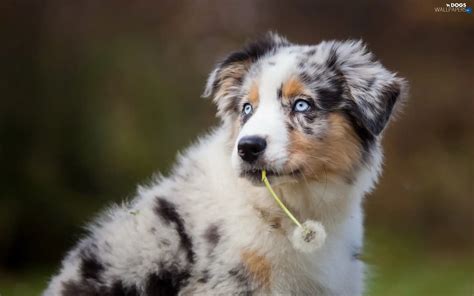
(312, 116)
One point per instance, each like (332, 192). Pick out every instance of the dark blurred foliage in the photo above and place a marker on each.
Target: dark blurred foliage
(96, 96)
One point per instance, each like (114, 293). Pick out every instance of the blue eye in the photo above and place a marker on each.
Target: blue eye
(247, 109)
(301, 106)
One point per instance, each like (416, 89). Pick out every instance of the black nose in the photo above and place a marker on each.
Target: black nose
(250, 148)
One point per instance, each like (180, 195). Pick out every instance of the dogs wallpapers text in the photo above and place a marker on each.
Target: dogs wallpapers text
(313, 118)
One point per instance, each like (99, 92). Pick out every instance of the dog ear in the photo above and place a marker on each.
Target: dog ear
(374, 92)
(225, 80)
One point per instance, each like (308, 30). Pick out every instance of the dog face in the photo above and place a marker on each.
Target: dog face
(303, 112)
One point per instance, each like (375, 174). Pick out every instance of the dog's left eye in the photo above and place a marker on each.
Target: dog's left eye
(301, 106)
(247, 109)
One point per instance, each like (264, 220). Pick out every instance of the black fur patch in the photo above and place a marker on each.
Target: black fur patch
(212, 235)
(167, 211)
(119, 289)
(91, 268)
(83, 288)
(88, 287)
(166, 283)
(390, 95)
(254, 50)
(365, 136)
(331, 97)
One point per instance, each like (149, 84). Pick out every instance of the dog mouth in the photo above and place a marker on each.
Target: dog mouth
(255, 174)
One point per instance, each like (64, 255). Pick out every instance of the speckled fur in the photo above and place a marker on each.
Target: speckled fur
(210, 228)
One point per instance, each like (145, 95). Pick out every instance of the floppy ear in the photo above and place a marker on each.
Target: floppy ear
(225, 80)
(374, 92)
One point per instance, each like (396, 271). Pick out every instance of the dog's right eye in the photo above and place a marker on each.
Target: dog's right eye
(301, 106)
(247, 109)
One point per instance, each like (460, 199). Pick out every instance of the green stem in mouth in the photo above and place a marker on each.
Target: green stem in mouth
(278, 200)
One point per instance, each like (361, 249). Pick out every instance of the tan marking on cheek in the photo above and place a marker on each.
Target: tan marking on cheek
(292, 87)
(337, 154)
(253, 94)
(257, 266)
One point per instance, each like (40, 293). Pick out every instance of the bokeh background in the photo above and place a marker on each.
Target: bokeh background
(96, 96)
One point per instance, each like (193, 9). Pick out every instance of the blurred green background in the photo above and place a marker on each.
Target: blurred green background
(96, 96)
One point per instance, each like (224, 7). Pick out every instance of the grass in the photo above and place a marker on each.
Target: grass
(407, 267)
(398, 267)
(423, 279)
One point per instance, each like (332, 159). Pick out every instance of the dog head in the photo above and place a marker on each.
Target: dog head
(298, 111)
